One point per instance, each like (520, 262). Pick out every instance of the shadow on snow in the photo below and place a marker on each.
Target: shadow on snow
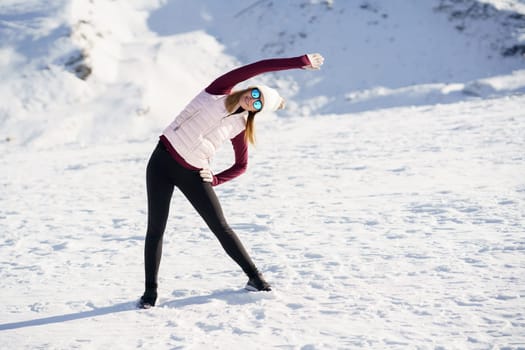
(231, 297)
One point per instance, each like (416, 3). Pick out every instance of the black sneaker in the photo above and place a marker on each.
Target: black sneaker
(148, 299)
(257, 284)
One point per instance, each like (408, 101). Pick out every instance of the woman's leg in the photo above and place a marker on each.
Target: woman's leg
(160, 190)
(205, 201)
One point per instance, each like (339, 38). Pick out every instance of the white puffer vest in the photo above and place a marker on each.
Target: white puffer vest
(202, 127)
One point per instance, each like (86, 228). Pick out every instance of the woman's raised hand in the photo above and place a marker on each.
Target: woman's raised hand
(316, 61)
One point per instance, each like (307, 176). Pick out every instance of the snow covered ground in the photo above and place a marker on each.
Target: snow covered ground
(386, 205)
(390, 229)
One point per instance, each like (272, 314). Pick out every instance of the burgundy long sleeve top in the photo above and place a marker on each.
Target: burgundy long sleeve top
(223, 85)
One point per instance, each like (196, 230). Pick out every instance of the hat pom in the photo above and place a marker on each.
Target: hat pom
(272, 99)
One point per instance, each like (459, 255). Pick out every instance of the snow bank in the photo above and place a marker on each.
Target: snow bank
(136, 82)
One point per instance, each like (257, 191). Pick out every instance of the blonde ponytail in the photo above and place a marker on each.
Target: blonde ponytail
(250, 128)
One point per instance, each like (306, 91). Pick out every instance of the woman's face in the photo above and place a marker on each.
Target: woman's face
(247, 101)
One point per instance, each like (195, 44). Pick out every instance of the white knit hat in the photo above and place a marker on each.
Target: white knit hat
(272, 99)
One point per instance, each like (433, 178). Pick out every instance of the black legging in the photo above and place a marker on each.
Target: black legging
(163, 173)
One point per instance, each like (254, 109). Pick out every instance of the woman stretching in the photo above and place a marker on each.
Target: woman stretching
(185, 149)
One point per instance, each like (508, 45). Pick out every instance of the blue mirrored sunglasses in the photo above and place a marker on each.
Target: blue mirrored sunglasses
(256, 94)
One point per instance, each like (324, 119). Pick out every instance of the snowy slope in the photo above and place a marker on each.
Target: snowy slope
(381, 53)
(143, 65)
(386, 205)
(132, 83)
